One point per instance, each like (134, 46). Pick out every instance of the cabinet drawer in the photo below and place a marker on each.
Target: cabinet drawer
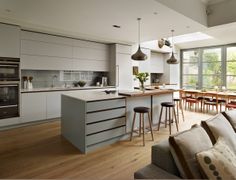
(103, 115)
(96, 138)
(101, 126)
(101, 105)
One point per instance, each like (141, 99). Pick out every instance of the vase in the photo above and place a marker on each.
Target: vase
(141, 87)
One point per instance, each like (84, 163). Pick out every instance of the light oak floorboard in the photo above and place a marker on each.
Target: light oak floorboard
(39, 151)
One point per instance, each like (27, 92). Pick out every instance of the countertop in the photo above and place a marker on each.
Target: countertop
(146, 93)
(101, 95)
(34, 90)
(92, 96)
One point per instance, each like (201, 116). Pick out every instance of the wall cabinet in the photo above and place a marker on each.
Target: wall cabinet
(10, 41)
(48, 52)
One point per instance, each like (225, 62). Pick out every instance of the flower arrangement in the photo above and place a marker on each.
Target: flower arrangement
(142, 77)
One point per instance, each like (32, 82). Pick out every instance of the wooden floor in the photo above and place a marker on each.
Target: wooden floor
(39, 151)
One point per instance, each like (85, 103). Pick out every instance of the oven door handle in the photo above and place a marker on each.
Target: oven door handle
(9, 85)
(8, 106)
(9, 65)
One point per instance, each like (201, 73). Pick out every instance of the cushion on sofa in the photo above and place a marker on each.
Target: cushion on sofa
(162, 157)
(231, 117)
(219, 126)
(184, 146)
(152, 171)
(218, 162)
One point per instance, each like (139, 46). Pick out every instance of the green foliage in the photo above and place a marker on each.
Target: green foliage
(142, 77)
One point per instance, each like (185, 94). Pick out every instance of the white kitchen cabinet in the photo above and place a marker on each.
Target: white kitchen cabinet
(10, 41)
(121, 67)
(33, 107)
(53, 104)
(156, 63)
(48, 52)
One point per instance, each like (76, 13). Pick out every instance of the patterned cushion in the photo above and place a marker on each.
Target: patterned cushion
(184, 146)
(218, 162)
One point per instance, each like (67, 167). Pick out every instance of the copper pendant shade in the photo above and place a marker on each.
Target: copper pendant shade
(139, 55)
(172, 59)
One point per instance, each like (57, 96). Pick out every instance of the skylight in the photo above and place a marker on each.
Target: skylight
(197, 36)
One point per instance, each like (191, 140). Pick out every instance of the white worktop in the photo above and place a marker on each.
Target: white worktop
(49, 89)
(92, 95)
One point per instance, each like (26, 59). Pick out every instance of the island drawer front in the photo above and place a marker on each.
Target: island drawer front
(108, 104)
(104, 125)
(103, 136)
(103, 115)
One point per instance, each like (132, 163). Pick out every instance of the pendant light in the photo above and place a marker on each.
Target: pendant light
(139, 55)
(172, 59)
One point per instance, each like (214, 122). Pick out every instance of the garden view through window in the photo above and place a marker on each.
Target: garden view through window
(208, 68)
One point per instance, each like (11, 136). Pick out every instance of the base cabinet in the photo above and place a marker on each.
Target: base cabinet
(33, 107)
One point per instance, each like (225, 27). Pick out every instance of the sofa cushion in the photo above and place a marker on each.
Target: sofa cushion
(184, 147)
(218, 162)
(162, 157)
(219, 126)
(231, 117)
(152, 171)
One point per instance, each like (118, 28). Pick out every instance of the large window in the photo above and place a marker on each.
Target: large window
(231, 68)
(211, 68)
(205, 68)
(190, 69)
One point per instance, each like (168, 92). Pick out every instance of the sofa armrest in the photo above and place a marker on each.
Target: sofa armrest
(162, 157)
(152, 171)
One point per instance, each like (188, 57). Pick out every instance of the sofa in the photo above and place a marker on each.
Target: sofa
(177, 157)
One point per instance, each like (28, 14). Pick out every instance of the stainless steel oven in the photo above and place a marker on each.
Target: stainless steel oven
(9, 69)
(9, 100)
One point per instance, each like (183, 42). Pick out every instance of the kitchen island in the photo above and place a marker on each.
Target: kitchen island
(93, 119)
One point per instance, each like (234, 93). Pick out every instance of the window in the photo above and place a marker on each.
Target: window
(211, 68)
(231, 68)
(190, 69)
(205, 68)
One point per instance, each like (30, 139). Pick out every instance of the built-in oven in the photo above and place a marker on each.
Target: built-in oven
(9, 100)
(9, 69)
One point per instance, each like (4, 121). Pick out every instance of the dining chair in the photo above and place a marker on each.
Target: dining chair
(210, 100)
(231, 102)
(192, 99)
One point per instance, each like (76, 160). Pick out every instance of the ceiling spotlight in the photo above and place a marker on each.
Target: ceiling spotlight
(116, 26)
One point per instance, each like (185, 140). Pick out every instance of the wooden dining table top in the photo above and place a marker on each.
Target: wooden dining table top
(226, 93)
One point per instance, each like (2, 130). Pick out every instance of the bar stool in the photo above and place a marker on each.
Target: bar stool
(178, 104)
(168, 106)
(141, 111)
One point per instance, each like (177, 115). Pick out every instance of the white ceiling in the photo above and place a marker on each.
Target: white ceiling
(93, 19)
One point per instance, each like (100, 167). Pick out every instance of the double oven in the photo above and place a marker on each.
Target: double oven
(9, 87)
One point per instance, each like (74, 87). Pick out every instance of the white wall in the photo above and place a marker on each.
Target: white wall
(194, 9)
(222, 13)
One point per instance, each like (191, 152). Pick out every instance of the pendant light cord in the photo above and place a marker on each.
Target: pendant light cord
(139, 19)
(172, 32)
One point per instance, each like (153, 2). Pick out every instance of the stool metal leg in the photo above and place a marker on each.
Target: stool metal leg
(166, 118)
(176, 123)
(131, 135)
(140, 124)
(159, 123)
(181, 108)
(169, 119)
(150, 124)
(143, 129)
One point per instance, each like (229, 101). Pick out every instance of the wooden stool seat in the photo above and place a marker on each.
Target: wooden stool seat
(141, 110)
(177, 99)
(169, 106)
